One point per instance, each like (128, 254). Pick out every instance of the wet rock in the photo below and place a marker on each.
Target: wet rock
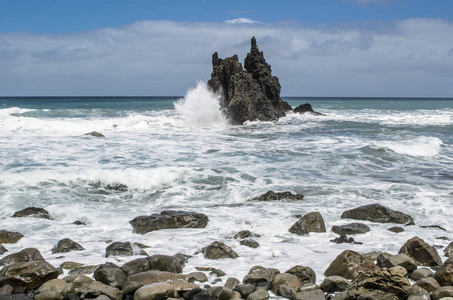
(442, 293)
(244, 234)
(212, 271)
(69, 265)
(259, 294)
(311, 222)
(421, 273)
(83, 270)
(110, 276)
(245, 290)
(96, 288)
(3, 250)
(286, 291)
(198, 276)
(332, 284)
(34, 212)
(258, 275)
(349, 264)
(306, 108)
(26, 255)
(444, 275)
(342, 239)
(19, 296)
(197, 294)
(353, 228)
(448, 251)
(54, 289)
(67, 245)
(79, 223)
(428, 283)
(6, 289)
(155, 276)
(421, 252)
(274, 196)
(303, 273)
(78, 281)
(400, 259)
(123, 249)
(95, 134)
(217, 250)
(136, 266)
(232, 282)
(10, 237)
(396, 229)
(433, 226)
(316, 294)
(378, 213)
(249, 243)
(165, 263)
(28, 274)
(169, 220)
(286, 279)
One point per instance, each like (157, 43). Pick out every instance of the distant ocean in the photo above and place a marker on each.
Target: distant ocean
(178, 153)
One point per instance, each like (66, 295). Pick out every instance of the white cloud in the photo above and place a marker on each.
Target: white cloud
(241, 21)
(405, 58)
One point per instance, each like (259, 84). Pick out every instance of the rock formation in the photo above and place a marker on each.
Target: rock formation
(250, 94)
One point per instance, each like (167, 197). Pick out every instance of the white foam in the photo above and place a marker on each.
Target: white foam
(14, 111)
(420, 146)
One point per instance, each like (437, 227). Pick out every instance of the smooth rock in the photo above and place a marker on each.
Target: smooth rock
(396, 229)
(441, 293)
(349, 264)
(311, 222)
(10, 237)
(28, 274)
(274, 196)
(83, 270)
(165, 263)
(249, 243)
(258, 275)
(67, 245)
(444, 275)
(259, 294)
(423, 253)
(78, 280)
(400, 259)
(34, 212)
(69, 265)
(353, 228)
(245, 290)
(306, 108)
(217, 250)
(26, 255)
(169, 220)
(303, 273)
(316, 294)
(287, 279)
(232, 282)
(448, 251)
(155, 276)
(421, 273)
(110, 276)
(123, 249)
(332, 284)
(96, 288)
(286, 291)
(378, 213)
(136, 266)
(428, 283)
(198, 276)
(54, 289)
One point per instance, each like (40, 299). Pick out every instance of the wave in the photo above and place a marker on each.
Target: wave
(421, 146)
(14, 111)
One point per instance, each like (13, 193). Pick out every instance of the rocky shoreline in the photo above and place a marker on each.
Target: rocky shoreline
(415, 272)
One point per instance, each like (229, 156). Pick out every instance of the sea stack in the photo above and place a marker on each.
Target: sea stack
(250, 94)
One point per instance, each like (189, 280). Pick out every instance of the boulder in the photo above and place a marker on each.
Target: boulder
(245, 290)
(400, 259)
(244, 234)
(444, 275)
(396, 229)
(165, 263)
(258, 276)
(448, 251)
(378, 213)
(332, 284)
(349, 264)
(83, 270)
(304, 274)
(259, 294)
(155, 276)
(342, 239)
(78, 281)
(311, 222)
(232, 282)
(18, 296)
(273, 196)
(10, 237)
(169, 220)
(34, 212)
(67, 245)
(212, 271)
(136, 266)
(95, 134)
(3, 250)
(110, 276)
(249, 243)
(429, 284)
(315, 294)
(423, 253)
(123, 249)
(54, 289)
(129, 287)
(353, 228)
(197, 294)
(96, 289)
(250, 94)
(26, 255)
(442, 293)
(218, 250)
(304, 108)
(28, 274)
(287, 279)
(421, 273)
(199, 276)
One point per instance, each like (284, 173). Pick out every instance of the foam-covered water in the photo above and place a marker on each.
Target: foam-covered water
(180, 154)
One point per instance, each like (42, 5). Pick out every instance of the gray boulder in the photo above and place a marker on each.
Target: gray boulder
(169, 220)
(448, 251)
(378, 213)
(259, 294)
(96, 289)
(10, 237)
(429, 284)
(423, 253)
(400, 259)
(165, 263)
(332, 284)
(54, 289)
(311, 222)
(244, 234)
(123, 249)
(78, 281)
(249, 243)
(274, 196)
(396, 229)
(83, 270)
(28, 274)
(34, 212)
(232, 282)
(26, 255)
(245, 290)
(305, 274)
(67, 245)
(421, 273)
(442, 293)
(286, 279)
(259, 276)
(136, 266)
(315, 294)
(306, 108)
(349, 264)
(110, 276)
(444, 275)
(353, 228)
(217, 250)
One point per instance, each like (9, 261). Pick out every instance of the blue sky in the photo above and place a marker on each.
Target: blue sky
(316, 47)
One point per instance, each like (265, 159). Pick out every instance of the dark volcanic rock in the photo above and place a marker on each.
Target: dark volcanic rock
(311, 222)
(26, 255)
(353, 228)
(9, 237)
(34, 212)
(423, 253)
(67, 245)
(304, 108)
(250, 94)
(378, 213)
(250, 243)
(272, 196)
(3, 250)
(95, 134)
(169, 220)
(244, 234)
(218, 250)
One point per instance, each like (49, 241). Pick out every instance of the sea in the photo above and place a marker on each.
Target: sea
(179, 153)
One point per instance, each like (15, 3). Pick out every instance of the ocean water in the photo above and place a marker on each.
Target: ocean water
(179, 153)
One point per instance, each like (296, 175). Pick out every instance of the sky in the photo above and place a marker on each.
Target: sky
(317, 48)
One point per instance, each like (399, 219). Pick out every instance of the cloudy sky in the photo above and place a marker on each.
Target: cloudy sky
(369, 48)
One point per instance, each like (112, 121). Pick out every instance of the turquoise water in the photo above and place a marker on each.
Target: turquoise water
(179, 153)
